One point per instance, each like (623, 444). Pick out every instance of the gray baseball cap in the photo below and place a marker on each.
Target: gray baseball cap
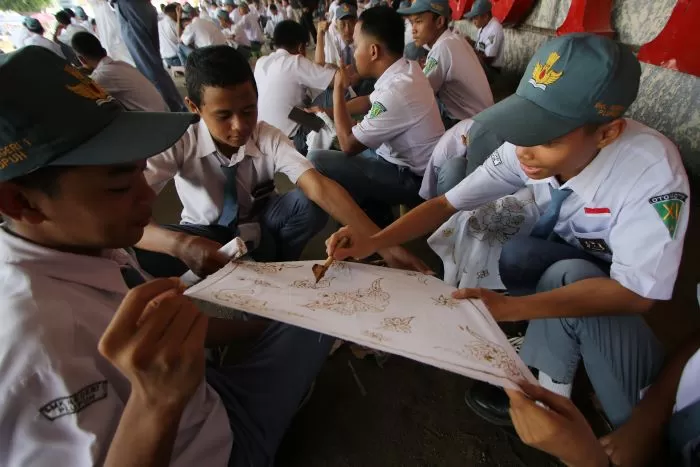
(571, 81)
(439, 7)
(480, 7)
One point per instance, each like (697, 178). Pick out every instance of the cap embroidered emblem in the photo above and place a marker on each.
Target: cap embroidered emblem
(544, 75)
(437, 6)
(87, 88)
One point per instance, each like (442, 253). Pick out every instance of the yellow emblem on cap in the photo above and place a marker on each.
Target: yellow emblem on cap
(544, 75)
(87, 88)
(612, 111)
(437, 6)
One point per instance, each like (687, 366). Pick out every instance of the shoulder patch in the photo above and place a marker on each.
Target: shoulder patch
(74, 403)
(496, 158)
(430, 66)
(669, 208)
(377, 109)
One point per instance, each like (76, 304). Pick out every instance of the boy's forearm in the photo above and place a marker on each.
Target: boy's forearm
(160, 240)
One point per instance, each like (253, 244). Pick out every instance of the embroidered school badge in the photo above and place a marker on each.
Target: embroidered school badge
(544, 75)
(669, 207)
(377, 109)
(430, 65)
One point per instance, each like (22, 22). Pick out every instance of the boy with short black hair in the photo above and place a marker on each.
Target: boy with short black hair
(452, 67)
(224, 170)
(94, 373)
(65, 29)
(612, 197)
(384, 156)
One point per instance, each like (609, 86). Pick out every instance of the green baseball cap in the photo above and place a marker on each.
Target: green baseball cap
(480, 7)
(571, 81)
(32, 24)
(439, 7)
(481, 142)
(53, 115)
(345, 10)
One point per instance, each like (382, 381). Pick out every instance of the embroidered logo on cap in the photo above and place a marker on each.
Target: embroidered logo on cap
(76, 402)
(614, 111)
(437, 6)
(544, 75)
(669, 208)
(87, 88)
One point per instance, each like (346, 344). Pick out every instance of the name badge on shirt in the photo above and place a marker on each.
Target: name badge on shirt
(74, 403)
(594, 245)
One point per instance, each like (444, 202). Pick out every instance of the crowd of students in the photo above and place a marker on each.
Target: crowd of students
(102, 356)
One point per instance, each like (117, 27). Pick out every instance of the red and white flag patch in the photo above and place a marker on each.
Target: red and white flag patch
(598, 212)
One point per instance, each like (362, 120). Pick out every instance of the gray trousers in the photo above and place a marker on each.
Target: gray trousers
(621, 354)
(263, 392)
(139, 26)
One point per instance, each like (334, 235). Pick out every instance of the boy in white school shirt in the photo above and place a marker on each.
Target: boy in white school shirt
(199, 33)
(224, 170)
(121, 80)
(287, 79)
(452, 67)
(490, 40)
(94, 373)
(608, 242)
(234, 33)
(383, 157)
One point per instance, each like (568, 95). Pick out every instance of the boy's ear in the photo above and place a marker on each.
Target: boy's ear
(610, 132)
(15, 205)
(192, 106)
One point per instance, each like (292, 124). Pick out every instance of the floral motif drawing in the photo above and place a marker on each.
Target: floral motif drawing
(497, 221)
(448, 232)
(240, 298)
(375, 336)
(259, 282)
(422, 278)
(444, 300)
(397, 324)
(484, 273)
(311, 283)
(371, 300)
(266, 268)
(492, 354)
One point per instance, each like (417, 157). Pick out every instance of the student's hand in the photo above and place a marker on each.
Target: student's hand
(316, 109)
(359, 247)
(399, 258)
(201, 255)
(352, 75)
(321, 28)
(559, 429)
(341, 80)
(501, 307)
(634, 444)
(156, 339)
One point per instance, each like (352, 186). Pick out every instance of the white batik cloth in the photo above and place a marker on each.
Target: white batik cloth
(470, 242)
(400, 312)
(322, 139)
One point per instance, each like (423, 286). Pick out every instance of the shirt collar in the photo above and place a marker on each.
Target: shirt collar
(107, 60)
(99, 272)
(442, 37)
(207, 147)
(399, 66)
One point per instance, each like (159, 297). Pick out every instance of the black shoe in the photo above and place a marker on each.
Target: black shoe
(490, 403)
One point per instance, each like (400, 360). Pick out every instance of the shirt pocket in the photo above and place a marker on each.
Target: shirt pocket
(596, 243)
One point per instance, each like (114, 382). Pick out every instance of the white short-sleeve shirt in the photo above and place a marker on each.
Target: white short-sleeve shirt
(334, 49)
(41, 41)
(167, 34)
(202, 33)
(128, 86)
(451, 145)
(251, 26)
(284, 81)
(629, 206)
(457, 77)
(490, 41)
(404, 123)
(68, 32)
(195, 164)
(60, 400)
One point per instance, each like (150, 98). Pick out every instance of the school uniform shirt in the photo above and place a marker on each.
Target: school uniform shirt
(202, 33)
(407, 32)
(41, 41)
(335, 49)
(235, 15)
(128, 86)
(68, 32)
(195, 164)
(167, 34)
(404, 122)
(60, 400)
(457, 77)
(284, 81)
(18, 36)
(629, 206)
(451, 145)
(250, 24)
(332, 9)
(239, 36)
(272, 23)
(490, 41)
(290, 12)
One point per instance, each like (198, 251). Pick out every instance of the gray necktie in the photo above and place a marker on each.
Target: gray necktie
(229, 210)
(545, 224)
(132, 277)
(348, 55)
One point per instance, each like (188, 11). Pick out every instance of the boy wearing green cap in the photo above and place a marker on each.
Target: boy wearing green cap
(34, 35)
(452, 67)
(94, 373)
(490, 40)
(611, 194)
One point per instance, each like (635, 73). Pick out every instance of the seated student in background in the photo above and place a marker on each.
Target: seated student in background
(199, 33)
(169, 31)
(234, 34)
(287, 79)
(612, 195)
(452, 67)
(462, 149)
(668, 415)
(94, 373)
(34, 35)
(490, 40)
(121, 80)
(224, 170)
(275, 18)
(248, 21)
(383, 157)
(229, 6)
(289, 10)
(65, 29)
